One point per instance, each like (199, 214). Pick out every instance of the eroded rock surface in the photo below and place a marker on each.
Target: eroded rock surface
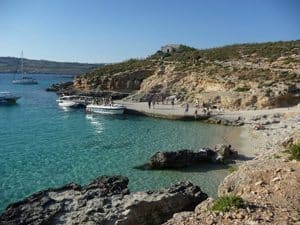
(106, 200)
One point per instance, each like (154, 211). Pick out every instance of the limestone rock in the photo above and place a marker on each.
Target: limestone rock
(183, 158)
(106, 200)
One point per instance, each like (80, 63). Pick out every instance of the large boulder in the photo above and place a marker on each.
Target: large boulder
(106, 201)
(184, 158)
(181, 158)
(224, 152)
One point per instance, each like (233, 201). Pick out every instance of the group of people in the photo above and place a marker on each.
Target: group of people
(152, 101)
(155, 99)
(104, 101)
(205, 109)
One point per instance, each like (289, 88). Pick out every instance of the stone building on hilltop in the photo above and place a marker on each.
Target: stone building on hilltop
(170, 48)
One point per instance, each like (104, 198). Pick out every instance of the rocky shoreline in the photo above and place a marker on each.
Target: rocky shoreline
(269, 183)
(106, 200)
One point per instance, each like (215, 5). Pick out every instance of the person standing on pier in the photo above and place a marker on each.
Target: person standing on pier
(149, 101)
(153, 100)
(186, 107)
(172, 102)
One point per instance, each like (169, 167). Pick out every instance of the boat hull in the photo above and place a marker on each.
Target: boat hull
(70, 104)
(25, 81)
(108, 110)
(9, 100)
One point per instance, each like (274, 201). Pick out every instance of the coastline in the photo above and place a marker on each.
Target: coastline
(264, 177)
(268, 183)
(241, 133)
(257, 145)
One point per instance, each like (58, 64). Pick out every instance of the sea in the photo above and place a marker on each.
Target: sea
(43, 145)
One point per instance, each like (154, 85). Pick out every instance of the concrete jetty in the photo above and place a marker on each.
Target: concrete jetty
(176, 112)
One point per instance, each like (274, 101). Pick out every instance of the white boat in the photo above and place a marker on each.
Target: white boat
(7, 97)
(105, 109)
(68, 101)
(24, 79)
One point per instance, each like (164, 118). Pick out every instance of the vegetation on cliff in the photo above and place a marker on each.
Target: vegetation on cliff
(294, 150)
(225, 203)
(111, 69)
(270, 50)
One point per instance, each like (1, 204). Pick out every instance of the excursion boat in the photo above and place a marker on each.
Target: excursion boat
(68, 101)
(24, 79)
(8, 98)
(105, 109)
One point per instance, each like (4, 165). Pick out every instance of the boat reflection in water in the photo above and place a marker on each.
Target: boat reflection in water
(95, 121)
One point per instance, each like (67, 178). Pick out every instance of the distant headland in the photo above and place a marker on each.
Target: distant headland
(13, 65)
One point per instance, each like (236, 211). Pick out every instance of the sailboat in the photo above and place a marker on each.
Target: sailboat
(24, 79)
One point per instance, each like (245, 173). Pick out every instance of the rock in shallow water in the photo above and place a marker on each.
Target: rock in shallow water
(106, 201)
(183, 158)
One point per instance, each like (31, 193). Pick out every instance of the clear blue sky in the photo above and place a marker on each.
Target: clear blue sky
(115, 30)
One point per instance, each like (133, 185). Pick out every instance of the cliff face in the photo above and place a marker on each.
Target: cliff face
(233, 77)
(127, 81)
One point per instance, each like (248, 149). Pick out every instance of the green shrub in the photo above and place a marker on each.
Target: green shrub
(110, 69)
(185, 48)
(225, 203)
(232, 169)
(294, 150)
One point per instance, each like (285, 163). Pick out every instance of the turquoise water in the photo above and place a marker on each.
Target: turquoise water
(44, 146)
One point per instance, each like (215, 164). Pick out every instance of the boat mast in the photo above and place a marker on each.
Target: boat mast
(22, 62)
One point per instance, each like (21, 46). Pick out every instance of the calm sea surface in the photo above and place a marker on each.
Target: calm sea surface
(44, 146)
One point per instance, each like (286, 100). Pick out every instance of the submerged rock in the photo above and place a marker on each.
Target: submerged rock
(183, 158)
(105, 200)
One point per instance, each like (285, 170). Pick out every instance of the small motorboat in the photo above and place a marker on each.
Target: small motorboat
(111, 109)
(68, 101)
(8, 98)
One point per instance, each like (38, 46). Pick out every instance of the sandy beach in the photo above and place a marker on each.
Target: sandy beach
(276, 124)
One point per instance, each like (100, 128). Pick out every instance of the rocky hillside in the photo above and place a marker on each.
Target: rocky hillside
(13, 65)
(246, 76)
(126, 76)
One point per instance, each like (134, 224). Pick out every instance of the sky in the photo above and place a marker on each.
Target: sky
(104, 31)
